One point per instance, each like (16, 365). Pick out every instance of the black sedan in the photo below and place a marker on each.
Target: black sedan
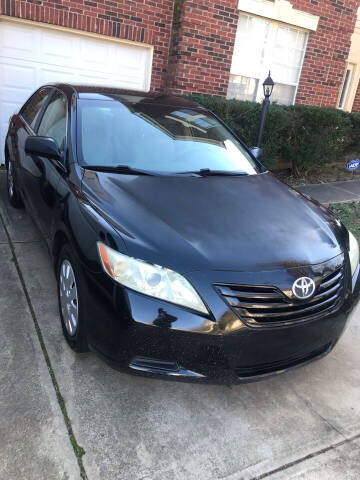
(176, 252)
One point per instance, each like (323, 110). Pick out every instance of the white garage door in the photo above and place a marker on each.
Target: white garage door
(31, 56)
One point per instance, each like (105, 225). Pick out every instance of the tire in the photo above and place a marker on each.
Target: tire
(72, 294)
(12, 190)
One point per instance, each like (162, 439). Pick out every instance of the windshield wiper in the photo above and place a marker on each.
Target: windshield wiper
(126, 169)
(207, 172)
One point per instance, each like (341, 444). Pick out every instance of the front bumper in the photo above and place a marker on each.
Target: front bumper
(146, 336)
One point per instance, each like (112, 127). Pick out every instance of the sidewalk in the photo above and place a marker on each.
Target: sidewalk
(335, 192)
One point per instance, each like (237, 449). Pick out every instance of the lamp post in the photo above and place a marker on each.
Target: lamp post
(268, 86)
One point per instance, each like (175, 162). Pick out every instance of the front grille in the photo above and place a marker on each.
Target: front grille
(257, 304)
(245, 371)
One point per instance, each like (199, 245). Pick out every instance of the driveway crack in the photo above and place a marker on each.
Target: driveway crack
(307, 457)
(313, 410)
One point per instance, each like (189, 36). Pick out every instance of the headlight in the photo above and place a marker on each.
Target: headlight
(353, 253)
(153, 280)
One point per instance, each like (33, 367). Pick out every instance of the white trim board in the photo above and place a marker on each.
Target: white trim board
(280, 10)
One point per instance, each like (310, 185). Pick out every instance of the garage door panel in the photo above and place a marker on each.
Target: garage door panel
(31, 56)
(9, 108)
(58, 49)
(70, 76)
(129, 57)
(94, 56)
(52, 75)
(15, 43)
(131, 74)
(95, 79)
(16, 76)
(6, 112)
(129, 82)
(15, 97)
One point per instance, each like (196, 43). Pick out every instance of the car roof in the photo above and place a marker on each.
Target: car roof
(93, 92)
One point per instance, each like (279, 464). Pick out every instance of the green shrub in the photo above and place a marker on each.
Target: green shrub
(355, 133)
(302, 136)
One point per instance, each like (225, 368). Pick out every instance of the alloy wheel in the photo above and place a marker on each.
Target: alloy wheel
(69, 302)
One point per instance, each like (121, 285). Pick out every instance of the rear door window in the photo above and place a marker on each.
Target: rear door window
(31, 110)
(53, 122)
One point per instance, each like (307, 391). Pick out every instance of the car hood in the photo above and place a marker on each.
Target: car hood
(192, 223)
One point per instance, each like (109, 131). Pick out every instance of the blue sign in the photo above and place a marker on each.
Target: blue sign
(353, 164)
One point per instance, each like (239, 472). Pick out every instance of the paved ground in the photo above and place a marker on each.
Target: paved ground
(303, 425)
(335, 192)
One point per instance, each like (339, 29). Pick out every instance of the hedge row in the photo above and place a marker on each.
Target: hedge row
(302, 136)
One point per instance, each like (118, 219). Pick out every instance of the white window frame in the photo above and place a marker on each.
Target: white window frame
(281, 10)
(346, 86)
(267, 61)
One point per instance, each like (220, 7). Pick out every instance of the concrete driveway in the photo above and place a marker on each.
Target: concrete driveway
(66, 416)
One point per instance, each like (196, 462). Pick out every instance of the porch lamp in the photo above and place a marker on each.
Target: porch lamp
(268, 87)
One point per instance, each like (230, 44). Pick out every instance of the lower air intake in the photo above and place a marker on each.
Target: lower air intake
(281, 365)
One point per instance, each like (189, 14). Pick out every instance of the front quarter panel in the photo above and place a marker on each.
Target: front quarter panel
(81, 223)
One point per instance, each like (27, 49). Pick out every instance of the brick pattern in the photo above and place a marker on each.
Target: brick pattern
(203, 38)
(327, 50)
(202, 48)
(356, 104)
(203, 41)
(146, 21)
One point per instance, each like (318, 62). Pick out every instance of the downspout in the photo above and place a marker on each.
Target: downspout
(174, 28)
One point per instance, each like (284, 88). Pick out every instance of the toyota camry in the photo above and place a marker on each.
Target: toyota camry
(176, 253)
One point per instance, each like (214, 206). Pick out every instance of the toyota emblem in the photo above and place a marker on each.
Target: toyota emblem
(303, 287)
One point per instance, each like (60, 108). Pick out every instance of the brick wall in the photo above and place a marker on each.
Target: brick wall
(146, 21)
(327, 50)
(203, 38)
(203, 41)
(201, 53)
(356, 104)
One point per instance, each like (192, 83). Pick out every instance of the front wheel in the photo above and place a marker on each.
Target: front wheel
(72, 300)
(13, 193)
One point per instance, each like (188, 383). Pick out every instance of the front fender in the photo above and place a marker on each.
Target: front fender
(83, 227)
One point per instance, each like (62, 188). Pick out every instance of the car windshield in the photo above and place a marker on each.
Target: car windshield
(157, 138)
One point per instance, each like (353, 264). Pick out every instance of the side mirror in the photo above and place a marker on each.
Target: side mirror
(257, 152)
(42, 147)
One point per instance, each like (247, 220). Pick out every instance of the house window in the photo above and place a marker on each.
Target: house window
(262, 45)
(346, 86)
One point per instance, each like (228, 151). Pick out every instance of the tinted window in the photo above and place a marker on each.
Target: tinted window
(53, 122)
(156, 137)
(32, 108)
